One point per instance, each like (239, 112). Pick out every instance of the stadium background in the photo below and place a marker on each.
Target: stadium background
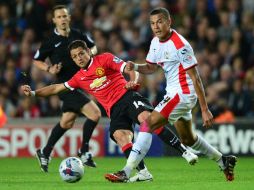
(220, 31)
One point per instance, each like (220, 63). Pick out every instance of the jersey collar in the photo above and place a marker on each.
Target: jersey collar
(57, 33)
(89, 64)
(169, 36)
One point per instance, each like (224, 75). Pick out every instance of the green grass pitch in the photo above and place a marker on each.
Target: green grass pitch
(170, 173)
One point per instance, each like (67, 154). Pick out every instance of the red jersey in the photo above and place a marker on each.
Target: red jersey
(103, 79)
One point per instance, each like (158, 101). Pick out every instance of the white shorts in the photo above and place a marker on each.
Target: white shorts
(177, 106)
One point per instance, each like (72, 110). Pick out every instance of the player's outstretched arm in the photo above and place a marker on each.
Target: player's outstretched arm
(198, 85)
(142, 68)
(45, 91)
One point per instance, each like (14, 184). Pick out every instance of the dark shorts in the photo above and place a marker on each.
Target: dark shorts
(73, 101)
(125, 112)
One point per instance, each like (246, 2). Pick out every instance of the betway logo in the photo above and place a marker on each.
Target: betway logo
(229, 139)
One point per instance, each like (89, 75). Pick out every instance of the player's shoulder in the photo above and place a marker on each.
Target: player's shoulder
(105, 55)
(155, 40)
(178, 40)
(107, 58)
(111, 56)
(101, 58)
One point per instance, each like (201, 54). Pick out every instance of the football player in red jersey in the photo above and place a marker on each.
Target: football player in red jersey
(101, 76)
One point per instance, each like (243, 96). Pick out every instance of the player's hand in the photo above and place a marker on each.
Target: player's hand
(26, 89)
(131, 85)
(54, 69)
(129, 65)
(207, 117)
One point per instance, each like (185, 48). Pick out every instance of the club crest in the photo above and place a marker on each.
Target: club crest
(100, 71)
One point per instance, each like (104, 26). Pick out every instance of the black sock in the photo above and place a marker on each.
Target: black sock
(56, 133)
(127, 150)
(88, 128)
(168, 137)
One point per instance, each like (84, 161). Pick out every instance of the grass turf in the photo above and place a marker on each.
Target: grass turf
(169, 173)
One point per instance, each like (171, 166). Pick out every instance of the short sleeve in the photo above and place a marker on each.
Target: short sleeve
(151, 56)
(186, 57)
(115, 63)
(72, 84)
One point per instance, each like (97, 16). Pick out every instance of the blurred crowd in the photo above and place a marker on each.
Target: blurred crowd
(221, 33)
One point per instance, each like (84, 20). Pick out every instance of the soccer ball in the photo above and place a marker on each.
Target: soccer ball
(71, 169)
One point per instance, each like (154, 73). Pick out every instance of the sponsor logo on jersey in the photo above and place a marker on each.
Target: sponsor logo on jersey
(117, 60)
(98, 82)
(100, 71)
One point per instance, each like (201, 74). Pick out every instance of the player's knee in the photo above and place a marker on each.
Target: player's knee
(117, 135)
(67, 125)
(68, 119)
(96, 115)
(153, 123)
(143, 116)
(122, 138)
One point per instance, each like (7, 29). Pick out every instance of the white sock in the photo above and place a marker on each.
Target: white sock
(203, 147)
(138, 152)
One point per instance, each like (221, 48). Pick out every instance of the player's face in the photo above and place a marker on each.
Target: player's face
(80, 56)
(62, 19)
(160, 26)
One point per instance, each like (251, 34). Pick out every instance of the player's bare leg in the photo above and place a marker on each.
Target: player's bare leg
(155, 121)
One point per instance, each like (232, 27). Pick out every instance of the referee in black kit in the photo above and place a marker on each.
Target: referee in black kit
(74, 102)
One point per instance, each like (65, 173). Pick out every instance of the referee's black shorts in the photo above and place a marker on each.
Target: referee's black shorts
(125, 112)
(73, 101)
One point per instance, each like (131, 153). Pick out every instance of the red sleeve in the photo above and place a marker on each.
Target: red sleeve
(72, 84)
(114, 63)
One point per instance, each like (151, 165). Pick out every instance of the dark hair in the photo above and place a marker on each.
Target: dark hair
(58, 7)
(77, 43)
(160, 10)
